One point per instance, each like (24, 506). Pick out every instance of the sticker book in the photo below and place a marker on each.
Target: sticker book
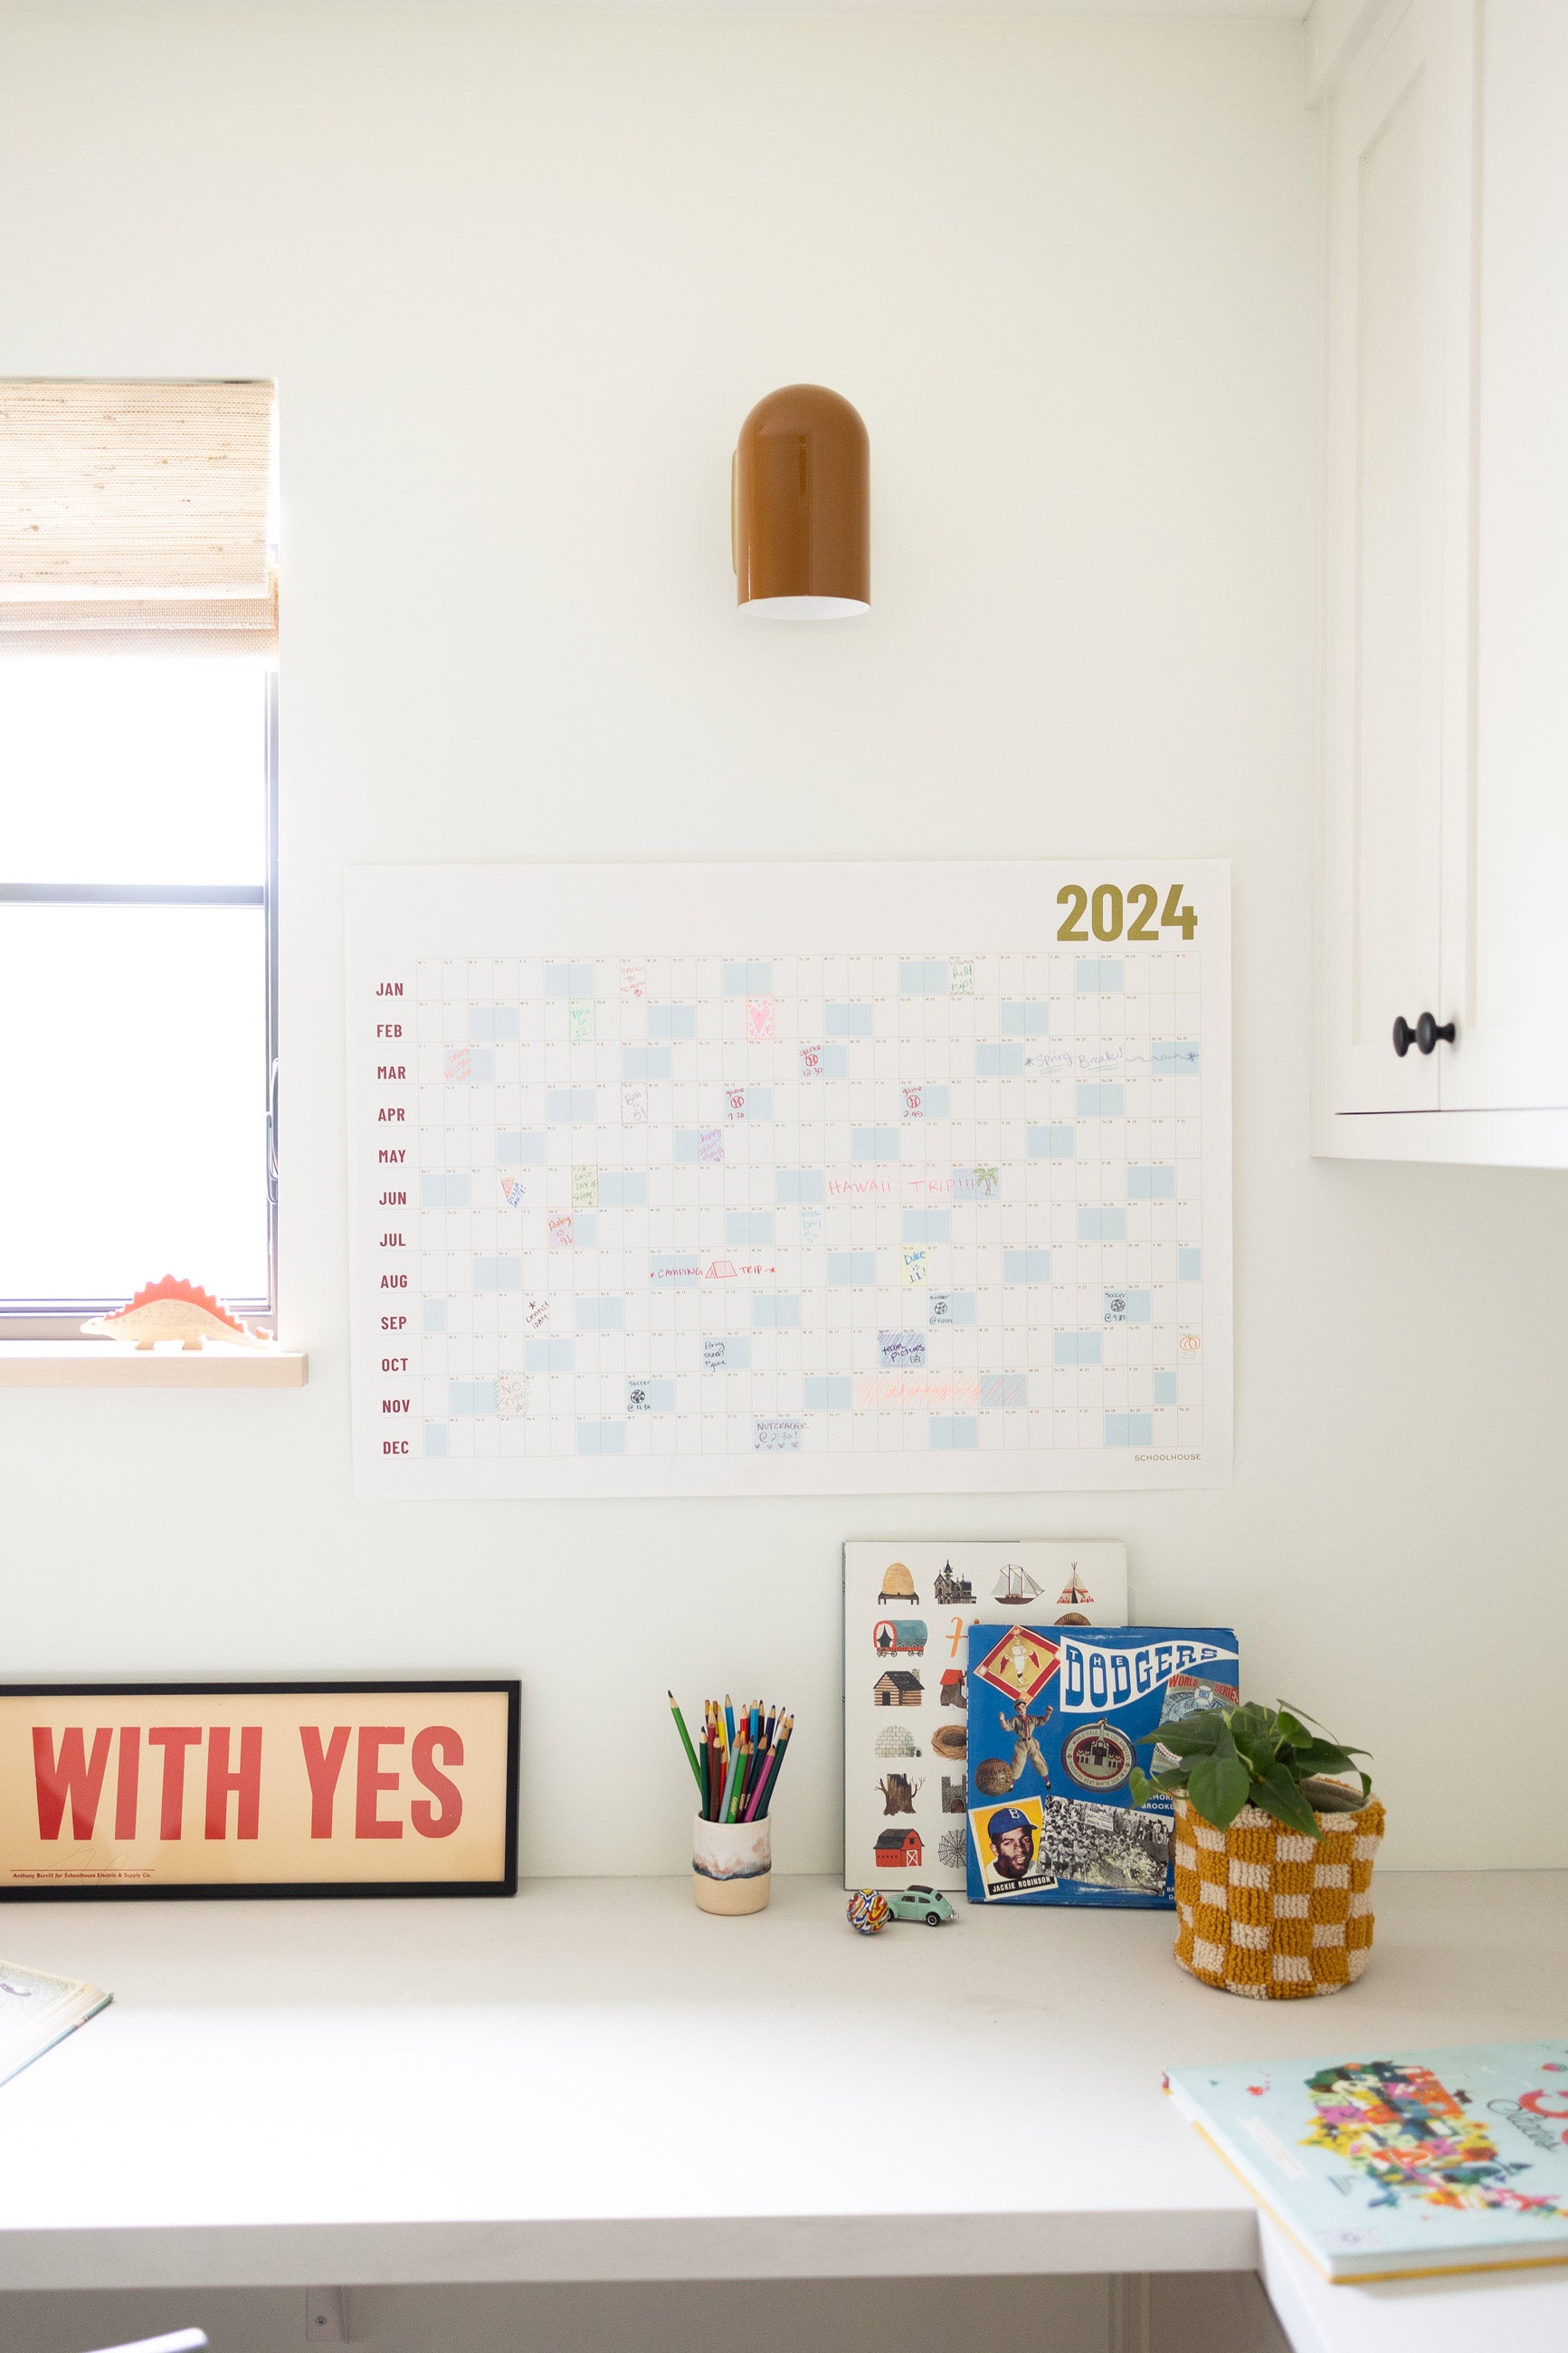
(1056, 1716)
(1430, 2160)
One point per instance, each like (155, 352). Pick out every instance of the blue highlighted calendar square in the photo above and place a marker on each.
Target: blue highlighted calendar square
(1151, 1184)
(1077, 1347)
(774, 1311)
(666, 1021)
(846, 1020)
(874, 1143)
(954, 1433)
(1102, 1224)
(601, 1438)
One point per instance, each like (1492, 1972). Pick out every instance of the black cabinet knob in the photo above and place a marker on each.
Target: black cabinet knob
(1426, 1034)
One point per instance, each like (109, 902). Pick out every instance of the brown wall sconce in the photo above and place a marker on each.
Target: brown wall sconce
(800, 507)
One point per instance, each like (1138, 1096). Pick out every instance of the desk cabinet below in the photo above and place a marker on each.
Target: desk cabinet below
(1443, 842)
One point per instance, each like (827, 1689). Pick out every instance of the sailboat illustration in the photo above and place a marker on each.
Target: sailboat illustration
(1016, 1588)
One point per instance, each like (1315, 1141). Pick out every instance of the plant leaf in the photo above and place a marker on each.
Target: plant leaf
(1279, 1796)
(1191, 1735)
(1217, 1786)
(1140, 1787)
(1324, 1756)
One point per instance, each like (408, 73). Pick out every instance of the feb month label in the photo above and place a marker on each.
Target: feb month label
(183, 1790)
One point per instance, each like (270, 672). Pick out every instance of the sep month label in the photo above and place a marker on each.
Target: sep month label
(258, 1789)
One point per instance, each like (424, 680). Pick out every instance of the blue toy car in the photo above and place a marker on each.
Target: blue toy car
(919, 1904)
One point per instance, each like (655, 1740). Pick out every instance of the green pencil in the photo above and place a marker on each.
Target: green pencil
(686, 1741)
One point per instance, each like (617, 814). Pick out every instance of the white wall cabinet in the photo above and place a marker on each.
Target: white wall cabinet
(1443, 837)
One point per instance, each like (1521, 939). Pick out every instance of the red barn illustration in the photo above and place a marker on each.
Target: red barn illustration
(900, 1851)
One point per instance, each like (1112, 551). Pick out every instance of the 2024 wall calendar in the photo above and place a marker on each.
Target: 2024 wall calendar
(790, 1179)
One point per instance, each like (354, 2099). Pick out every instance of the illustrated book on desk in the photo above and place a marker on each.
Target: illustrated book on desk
(907, 1614)
(1431, 2160)
(1057, 1717)
(37, 2012)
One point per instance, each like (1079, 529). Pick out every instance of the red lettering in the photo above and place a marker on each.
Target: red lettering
(394, 1114)
(127, 1774)
(323, 1766)
(391, 1070)
(173, 1739)
(384, 1158)
(393, 1323)
(373, 1740)
(394, 1364)
(246, 1784)
(423, 1817)
(394, 1446)
(1539, 2102)
(395, 1405)
(71, 1775)
(389, 989)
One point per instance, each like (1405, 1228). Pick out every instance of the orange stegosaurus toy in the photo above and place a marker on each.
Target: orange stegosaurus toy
(174, 1310)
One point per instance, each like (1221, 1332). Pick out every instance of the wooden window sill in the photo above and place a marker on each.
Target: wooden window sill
(110, 1365)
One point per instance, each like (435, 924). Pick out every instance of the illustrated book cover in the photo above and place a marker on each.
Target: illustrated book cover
(907, 1611)
(1431, 2160)
(1056, 1716)
(37, 2012)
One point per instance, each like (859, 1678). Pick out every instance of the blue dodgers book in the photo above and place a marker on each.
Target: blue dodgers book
(1430, 2160)
(1056, 1715)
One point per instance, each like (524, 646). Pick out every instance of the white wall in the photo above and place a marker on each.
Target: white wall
(519, 276)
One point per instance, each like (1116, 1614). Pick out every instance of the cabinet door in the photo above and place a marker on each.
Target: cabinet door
(1505, 910)
(1383, 557)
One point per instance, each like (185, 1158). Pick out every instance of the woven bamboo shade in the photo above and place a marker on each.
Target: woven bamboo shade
(133, 518)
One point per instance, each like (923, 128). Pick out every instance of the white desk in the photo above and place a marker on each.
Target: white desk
(428, 2092)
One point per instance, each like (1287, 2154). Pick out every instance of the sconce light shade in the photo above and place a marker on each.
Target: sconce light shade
(801, 508)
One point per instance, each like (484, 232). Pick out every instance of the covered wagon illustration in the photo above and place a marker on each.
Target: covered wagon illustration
(896, 1635)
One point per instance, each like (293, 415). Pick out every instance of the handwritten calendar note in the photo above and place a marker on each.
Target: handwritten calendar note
(789, 1179)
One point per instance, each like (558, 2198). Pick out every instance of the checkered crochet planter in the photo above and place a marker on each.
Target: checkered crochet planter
(1264, 1912)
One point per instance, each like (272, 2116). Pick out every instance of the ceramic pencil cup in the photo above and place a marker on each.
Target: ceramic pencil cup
(731, 1864)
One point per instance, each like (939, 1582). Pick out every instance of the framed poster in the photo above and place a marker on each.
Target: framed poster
(789, 1179)
(186, 1790)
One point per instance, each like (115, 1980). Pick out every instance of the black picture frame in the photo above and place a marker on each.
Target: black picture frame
(294, 1891)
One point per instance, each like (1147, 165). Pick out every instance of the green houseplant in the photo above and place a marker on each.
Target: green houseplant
(1252, 1756)
(1273, 1854)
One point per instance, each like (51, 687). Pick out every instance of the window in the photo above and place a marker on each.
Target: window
(137, 735)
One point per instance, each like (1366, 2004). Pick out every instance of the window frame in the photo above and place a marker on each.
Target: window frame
(62, 1319)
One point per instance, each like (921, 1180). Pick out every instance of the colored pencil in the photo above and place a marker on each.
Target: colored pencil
(685, 1740)
(736, 1762)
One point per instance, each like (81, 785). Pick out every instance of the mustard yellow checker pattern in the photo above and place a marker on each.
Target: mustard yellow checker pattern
(1268, 1912)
